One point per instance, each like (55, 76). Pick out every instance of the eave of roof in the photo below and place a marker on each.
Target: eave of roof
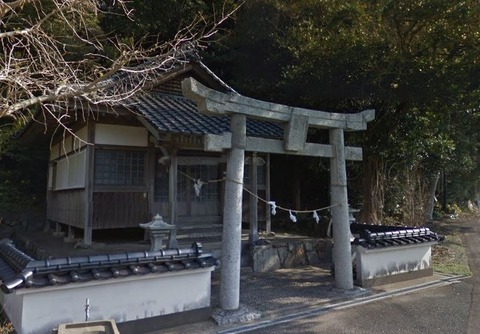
(179, 115)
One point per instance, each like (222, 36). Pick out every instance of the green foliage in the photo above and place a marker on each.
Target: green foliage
(154, 21)
(251, 59)
(450, 256)
(414, 62)
(23, 173)
(453, 209)
(341, 55)
(72, 31)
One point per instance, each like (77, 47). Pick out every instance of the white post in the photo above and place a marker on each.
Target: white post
(232, 217)
(342, 257)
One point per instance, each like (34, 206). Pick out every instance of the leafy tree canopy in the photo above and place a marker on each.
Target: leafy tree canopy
(415, 62)
(332, 54)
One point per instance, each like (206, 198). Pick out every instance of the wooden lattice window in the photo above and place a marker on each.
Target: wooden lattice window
(118, 167)
(260, 175)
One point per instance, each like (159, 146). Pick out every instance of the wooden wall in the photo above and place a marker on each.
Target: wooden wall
(67, 207)
(119, 209)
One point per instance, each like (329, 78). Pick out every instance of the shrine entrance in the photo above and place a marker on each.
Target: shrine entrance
(296, 122)
(191, 206)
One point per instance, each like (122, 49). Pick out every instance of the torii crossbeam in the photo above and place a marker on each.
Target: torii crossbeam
(297, 121)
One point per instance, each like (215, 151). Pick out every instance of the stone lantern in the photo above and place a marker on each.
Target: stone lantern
(158, 230)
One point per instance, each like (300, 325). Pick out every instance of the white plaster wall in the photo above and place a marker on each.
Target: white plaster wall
(66, 145)
(70, 171)
(108, 134)
(69, 143)
(379, 262)
(61, 174)
(80, 138)
(123, 299)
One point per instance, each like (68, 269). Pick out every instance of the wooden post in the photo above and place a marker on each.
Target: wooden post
(71, 232)
(342, 257)
(172, 189)
(58, 230)
(268, 216)
(232, 217)
(90, 163)
(253, 201)
(151, 165)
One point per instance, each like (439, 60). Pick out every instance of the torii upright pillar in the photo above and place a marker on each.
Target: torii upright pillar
(232, 216)
(342, 259)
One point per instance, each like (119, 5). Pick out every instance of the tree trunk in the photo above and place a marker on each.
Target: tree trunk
(476, 195)
(432, 187)
(444, 191)
(373, 190)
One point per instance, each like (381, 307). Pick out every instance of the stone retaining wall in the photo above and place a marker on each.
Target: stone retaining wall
(291, 254)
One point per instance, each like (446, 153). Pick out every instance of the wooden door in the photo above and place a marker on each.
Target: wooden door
(203, 204)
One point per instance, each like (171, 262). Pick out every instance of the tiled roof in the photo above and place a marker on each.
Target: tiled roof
(177, 114)
(18, 270)
(169, 113)
(376, 236)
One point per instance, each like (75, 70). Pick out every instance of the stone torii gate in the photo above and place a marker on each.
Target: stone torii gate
(297, 121)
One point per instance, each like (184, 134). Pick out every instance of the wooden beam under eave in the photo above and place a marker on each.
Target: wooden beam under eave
(218, 143)
(150, 128)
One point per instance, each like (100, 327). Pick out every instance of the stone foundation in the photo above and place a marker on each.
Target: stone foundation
(291, 254)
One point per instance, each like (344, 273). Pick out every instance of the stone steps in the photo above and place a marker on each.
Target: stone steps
(207, 234)
(210, 235)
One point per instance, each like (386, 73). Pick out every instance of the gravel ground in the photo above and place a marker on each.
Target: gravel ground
(286, 290)
(275, 294)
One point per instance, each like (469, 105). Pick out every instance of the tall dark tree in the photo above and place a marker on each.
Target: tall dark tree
(415, 62)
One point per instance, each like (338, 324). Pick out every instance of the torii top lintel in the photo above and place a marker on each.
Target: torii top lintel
(210, 101)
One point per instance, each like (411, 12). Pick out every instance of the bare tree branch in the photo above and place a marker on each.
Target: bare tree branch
(37, 66)
(6, 7)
